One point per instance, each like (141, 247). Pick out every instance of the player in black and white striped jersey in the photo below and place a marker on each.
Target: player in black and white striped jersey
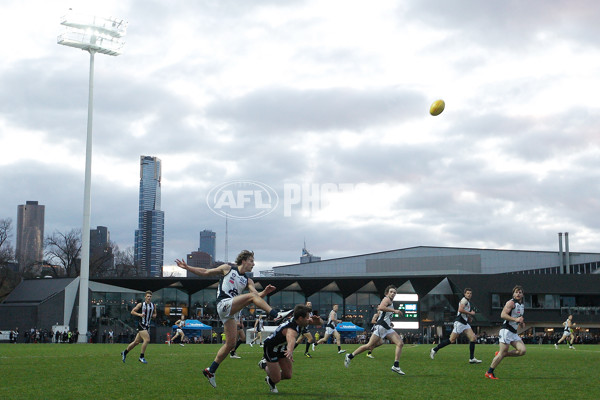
(146, 310)
(279, 347)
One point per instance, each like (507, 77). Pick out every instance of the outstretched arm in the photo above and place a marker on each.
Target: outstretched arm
(219, 271)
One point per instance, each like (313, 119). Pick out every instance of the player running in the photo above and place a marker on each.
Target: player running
(332, 321)
(567, 332)
(383, 330)
(464, 315)
(512, 314)
(178, 331)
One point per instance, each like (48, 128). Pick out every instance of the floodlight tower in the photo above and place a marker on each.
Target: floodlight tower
(94, 35)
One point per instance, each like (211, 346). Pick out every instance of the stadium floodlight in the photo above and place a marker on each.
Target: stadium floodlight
(94, 35)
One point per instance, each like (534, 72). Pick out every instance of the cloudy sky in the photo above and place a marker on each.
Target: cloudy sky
(322, 105)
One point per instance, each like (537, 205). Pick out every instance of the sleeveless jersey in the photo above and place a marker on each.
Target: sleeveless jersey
(231, 284)
(276, 341)
(516, 312)
(147, 312)
(460, 317)
(566, 324)
(385, 319)
(330, 321)
(260, 325)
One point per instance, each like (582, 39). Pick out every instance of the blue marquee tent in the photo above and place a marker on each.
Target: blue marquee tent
(193, 327)
(348, 329)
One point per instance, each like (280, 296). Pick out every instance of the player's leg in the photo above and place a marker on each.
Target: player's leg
(136, 341)
(324, 338)
(273, 372)
(131, 345)
(145, 340)
(230, 328)
(472, 341)
(502, 352)
(397, 340)
(338, 340)
(309, 340)
(243, 300)
(241, 338)
(444, 342)
(286, 368)
(519, 350)
(374, 341)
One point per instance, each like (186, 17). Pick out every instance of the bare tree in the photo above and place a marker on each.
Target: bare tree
(8, 279)
(64, 250)
(6, 251)
(102, 261)
(124, 262)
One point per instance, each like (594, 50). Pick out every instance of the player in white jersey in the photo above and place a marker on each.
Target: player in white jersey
(230, 300)
(332, 321)
(146, 311)
(512, 314)
(306, 334)
(383, 330)
(567, 332)
(179, 324)
(464, 315)
(259, 326)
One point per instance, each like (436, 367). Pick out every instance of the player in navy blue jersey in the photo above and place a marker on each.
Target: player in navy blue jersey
(464, 316)
(146, 311)
(512, 314)
(230, 300)
(383, 329)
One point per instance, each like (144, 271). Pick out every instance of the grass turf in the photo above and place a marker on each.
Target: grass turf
(95, 371)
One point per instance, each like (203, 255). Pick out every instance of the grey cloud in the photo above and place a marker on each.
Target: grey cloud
(510, 24)
(284, 110)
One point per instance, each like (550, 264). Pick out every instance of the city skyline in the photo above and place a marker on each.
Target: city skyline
(325, 103)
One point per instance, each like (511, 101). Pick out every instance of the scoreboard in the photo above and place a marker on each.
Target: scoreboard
(409, 305)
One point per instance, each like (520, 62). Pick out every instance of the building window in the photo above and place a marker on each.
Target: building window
(496, 301)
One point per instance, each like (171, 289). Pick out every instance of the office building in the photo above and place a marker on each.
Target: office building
(30, 235)
(149, 237)
(208, 242)
(101, 256)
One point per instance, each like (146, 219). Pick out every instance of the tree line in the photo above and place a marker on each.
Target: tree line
(62, 258)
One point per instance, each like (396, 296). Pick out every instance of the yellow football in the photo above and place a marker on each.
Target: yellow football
(437, 107)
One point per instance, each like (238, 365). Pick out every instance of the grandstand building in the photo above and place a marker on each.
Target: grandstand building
(556, 284)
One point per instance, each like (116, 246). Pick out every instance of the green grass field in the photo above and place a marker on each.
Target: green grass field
(95, 371)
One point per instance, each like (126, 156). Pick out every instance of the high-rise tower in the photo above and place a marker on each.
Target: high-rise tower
(30, 235)
(208, 242)
(149, 237)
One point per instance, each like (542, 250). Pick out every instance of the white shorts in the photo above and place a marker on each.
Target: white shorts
(507, 337)
(224, 310)
(380, 331)
(329, 331)
(180, 331)
(460, 328)
(566, 333)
